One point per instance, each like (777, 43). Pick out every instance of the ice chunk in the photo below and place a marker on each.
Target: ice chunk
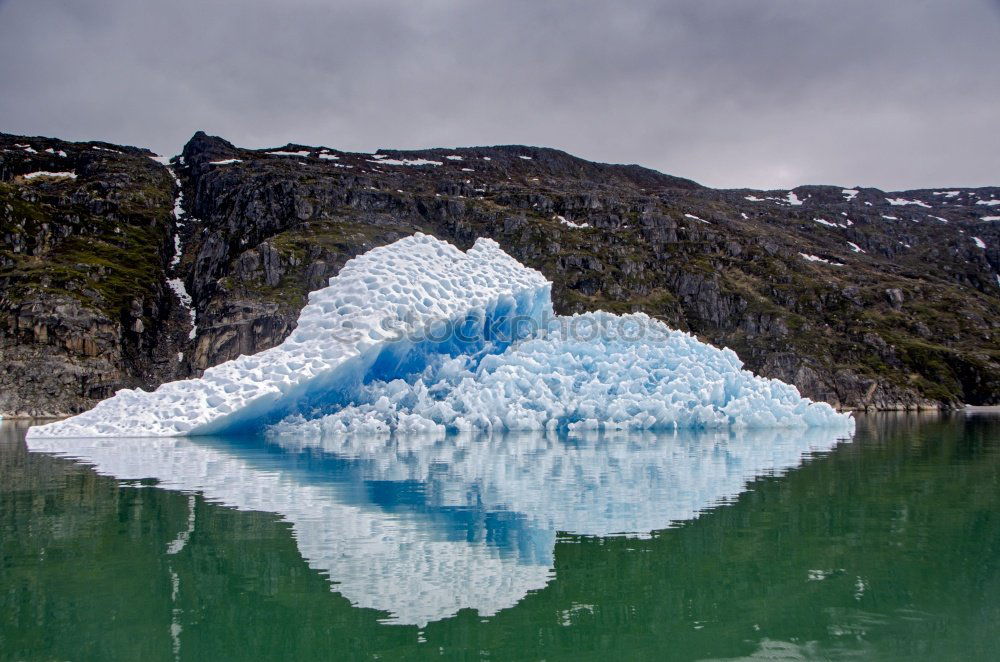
(590, 371)
(381, 317)
(417, 336)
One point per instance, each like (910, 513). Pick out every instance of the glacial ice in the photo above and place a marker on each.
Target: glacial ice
(582, 372)
(419, 336)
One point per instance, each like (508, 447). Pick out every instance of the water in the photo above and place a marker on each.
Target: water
(764, 545)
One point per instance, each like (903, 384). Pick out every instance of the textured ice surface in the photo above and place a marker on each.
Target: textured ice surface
(584, 372)
(382, 316)
(417, 336)
(422, 527)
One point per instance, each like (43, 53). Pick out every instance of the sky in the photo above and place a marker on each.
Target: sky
(733, 93)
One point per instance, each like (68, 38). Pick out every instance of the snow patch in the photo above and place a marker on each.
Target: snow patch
(526, 158)
(855, 248)
(850, 193)
(454, 157)
(988, 203)
(989, 218)
(898, 202)
(177, 285)
(57, 175)
(695, 218)
(562, 219)
(409, 162)
(979, 242)
(813, 258)
(793, 199)
(826, 223)
(278, 152)
(225, 161)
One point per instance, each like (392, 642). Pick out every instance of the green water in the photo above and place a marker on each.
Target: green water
(886, 547)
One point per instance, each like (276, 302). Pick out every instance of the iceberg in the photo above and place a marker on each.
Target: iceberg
(418, 336)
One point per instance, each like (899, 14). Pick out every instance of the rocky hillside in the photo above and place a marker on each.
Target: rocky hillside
(860, 297)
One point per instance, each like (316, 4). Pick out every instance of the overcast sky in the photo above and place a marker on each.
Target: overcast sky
(757, 93)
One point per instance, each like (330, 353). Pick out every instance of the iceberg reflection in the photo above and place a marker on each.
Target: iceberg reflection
(422, 527)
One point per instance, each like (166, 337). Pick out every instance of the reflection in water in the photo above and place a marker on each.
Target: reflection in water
(423, 527)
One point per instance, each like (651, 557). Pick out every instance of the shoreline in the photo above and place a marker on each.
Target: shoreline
(900, 409)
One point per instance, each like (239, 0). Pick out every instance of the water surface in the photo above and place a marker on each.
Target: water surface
(776, 544)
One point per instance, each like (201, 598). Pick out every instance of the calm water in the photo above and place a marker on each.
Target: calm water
(766, 545)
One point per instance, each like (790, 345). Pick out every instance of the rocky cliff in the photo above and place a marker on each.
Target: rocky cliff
(860, 297)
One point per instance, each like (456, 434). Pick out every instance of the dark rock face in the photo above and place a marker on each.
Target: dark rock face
(84, 307)
(859, 297)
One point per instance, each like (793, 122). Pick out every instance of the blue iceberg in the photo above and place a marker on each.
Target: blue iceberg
(418, 336)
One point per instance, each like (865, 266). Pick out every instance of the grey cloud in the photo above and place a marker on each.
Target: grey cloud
(771, 93)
